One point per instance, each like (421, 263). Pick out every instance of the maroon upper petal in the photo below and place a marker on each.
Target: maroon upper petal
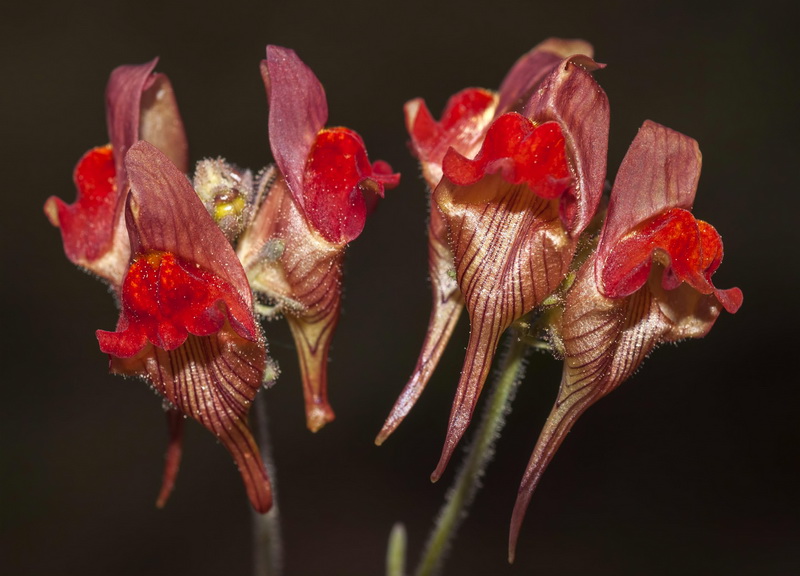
(660, 171)
(165, 214)
(298, 110)
(648, 218)
(141, 105)
(571, 97)
(531, 68)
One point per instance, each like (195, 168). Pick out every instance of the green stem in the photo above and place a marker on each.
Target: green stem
(480, 452)
(267, 543)
(396, 551)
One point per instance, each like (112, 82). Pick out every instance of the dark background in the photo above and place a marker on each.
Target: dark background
(692, 467)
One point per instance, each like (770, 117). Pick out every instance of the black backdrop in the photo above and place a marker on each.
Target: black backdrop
(690, 468)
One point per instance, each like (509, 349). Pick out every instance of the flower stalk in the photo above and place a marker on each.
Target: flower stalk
(267, 539)
(479, 454)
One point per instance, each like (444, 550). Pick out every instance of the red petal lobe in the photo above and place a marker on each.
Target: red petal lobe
(521, 152)
(337, 176)
(87, 225)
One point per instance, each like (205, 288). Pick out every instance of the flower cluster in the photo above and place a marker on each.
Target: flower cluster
(517, 179)
(517, 235)
(185, 260)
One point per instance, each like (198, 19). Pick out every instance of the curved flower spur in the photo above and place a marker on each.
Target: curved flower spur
(317, 202)
(513, 214)
(648, 282)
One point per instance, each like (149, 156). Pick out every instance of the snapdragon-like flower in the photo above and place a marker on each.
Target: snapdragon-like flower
(648, 282)
(318, 201)
(462, 127)
(513, 213)
(186, 322)
(139, 105)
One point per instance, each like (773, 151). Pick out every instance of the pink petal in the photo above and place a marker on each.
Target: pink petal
(141, 105)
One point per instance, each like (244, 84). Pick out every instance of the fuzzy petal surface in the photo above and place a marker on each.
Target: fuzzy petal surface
(511, 252)
(186, 322)
(648, 282)
(300, 272)
(139, 105)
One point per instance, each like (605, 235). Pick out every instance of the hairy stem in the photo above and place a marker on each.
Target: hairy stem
(479, 453)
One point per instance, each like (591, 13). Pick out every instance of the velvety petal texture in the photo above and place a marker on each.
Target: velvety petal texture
(186, 322)
(300, 273)
(459, 137)
(327, 171)
(316, 203)
(340, 184)
(139, 105)
(571, 97)
(607, 331)
(462, 126)
(521, 151)
(511, 252)
(531, 68)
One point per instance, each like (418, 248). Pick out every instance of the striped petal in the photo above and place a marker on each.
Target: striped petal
(186, 321)
(605, 340)
(511, 252)
(213, 379)
(445, 312)
(648, 282)
(294, 267)
(463, 128)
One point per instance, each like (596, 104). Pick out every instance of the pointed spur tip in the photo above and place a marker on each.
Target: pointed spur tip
(391, 424)
(513, 537)
(318, 416)
(444, 459)
(382, 436)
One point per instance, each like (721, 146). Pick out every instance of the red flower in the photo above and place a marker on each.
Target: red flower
(318, 202)
(511, 216)
(139, 105)
(186, 322)
(648, 282)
